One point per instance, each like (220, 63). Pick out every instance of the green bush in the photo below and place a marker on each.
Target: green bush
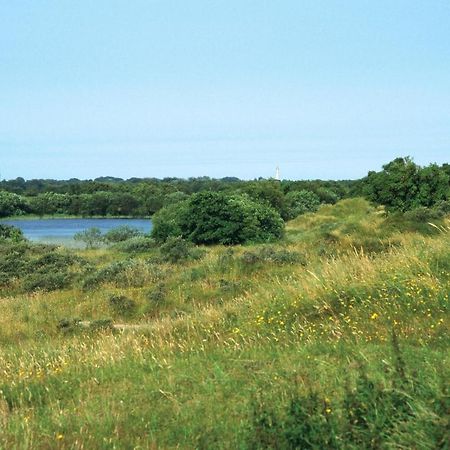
(46, 281)
(11, 233)
(69, 325)
(120, 234)
(91, 237)
(124, 273)
(176, 249)
(167, 221)
(138, 244)
(122, 305)
(158, 294)
(218, 218)
(300, 202)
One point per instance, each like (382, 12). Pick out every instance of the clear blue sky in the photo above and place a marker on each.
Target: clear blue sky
(323, 88)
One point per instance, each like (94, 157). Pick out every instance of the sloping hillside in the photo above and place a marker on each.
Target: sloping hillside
(336, 337)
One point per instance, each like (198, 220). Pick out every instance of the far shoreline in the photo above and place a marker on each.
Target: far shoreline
(65, 216)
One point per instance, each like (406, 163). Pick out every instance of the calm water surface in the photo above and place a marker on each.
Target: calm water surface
(63, 230)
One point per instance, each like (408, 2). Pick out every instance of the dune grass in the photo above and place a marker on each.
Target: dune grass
(336, 337)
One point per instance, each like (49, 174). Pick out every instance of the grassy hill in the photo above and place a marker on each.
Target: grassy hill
(336, 337)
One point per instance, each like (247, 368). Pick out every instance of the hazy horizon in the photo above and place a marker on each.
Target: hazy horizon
(155, 89)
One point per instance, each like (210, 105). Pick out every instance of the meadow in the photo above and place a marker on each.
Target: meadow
(334, 337)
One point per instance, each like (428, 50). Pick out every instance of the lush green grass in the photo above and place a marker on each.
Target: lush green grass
(335, 338)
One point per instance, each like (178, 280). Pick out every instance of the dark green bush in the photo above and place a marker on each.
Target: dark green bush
(46, 281)
(281, 256)
(122, 305)
(11, 233)
(69, 325)
(218, 218)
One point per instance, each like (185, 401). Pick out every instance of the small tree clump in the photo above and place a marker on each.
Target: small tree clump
(92, 237)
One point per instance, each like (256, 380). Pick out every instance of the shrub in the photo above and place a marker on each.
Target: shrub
(176, 249)
(126, 273)
(69, 325)
(226, 258)
(158, 294)
(11, 233)
(91, 237)
(167, 221)
(282, 256)
(122, 305)
(218, 218)
(138, 244)
(52, 262)
(122, 233)
(50, 281)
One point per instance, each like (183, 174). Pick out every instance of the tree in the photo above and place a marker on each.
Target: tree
(12, 204)
(404, 186)
(396, 186)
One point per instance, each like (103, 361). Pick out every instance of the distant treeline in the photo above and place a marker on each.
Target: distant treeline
(136, 197)
(402, 186)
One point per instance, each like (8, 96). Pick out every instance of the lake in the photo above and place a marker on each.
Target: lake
(61, 231)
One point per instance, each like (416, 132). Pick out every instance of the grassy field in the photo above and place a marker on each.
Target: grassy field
(336, 337)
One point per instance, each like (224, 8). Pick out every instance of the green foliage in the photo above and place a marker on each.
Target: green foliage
(300, 202)
(176, 249)
(402, 185)
(69, 325)
(138, 244)
(11, 233)
(28, 267)
(120, 234)
(167, 221)
(370, 415)
(218, 218)
(12, 204)
(285, 356)
(158, 294)
(268, 192)
(122, 305)
(124, 273)
(270, 255)
(92, 237)
(46, 281)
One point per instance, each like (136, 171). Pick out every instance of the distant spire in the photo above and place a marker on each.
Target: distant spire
(277, 174)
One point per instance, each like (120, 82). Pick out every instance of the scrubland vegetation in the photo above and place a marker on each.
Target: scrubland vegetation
(334, 336)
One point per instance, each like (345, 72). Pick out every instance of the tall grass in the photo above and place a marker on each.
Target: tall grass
(325, 340)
